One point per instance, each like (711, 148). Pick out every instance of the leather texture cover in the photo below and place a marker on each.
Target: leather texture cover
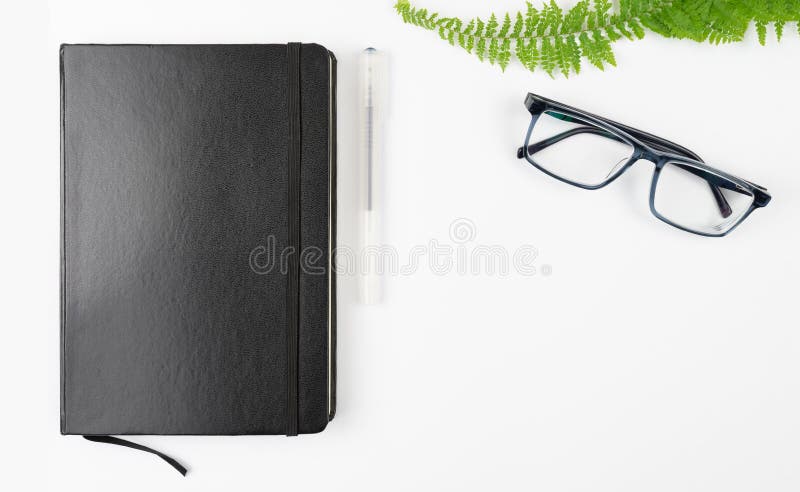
(175, 206)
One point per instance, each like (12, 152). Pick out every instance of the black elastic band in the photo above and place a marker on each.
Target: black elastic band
(293, 278)
(122, 442)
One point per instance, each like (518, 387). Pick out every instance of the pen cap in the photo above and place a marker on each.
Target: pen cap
(372, 102)
(373, 78)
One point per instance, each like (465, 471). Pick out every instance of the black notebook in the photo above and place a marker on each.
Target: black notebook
(198, 228)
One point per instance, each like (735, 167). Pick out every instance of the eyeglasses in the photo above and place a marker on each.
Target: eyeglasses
(590, 152)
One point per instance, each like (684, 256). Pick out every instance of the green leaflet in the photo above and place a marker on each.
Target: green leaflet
(558, 41)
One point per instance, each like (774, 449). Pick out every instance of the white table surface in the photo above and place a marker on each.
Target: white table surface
(648, 358)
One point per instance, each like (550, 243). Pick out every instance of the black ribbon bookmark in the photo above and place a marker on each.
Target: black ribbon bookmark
(293, 277)
(122, 442)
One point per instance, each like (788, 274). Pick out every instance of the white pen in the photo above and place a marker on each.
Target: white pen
(372, 93)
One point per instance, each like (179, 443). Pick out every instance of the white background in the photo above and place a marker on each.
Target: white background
(650, 359)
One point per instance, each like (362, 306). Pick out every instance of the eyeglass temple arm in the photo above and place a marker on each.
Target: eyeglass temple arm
(538, 146)
(653, 141)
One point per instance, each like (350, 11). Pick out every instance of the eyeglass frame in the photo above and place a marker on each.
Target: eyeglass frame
(646, 146)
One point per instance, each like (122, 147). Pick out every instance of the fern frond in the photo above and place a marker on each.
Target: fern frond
(557, 41)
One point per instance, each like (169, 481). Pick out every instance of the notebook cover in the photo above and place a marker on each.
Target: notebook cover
(174, 180)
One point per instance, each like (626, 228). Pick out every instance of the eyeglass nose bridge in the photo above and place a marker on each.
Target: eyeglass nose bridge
(639, 154)
(642, 153)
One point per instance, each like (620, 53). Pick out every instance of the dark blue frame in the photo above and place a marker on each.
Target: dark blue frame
(646, 146)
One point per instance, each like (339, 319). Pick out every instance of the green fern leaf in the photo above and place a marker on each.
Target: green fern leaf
(545, 20)
(589, 51)
(779, 29)
(604, 48)
(480, 49)
(761, 29)
(535, 54)
(506, 26)
(548, 57)
(528, 54)
(574, 54)
(494, 50)
(479, 28)
(518, 25)
(555, 17)
(504, 56)
(531, 20)
(561, 56)
(469, 28)
(491, 26)
(637, 28)
(575, 17)
(521, 52)
(622, 29)
(602, 7)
